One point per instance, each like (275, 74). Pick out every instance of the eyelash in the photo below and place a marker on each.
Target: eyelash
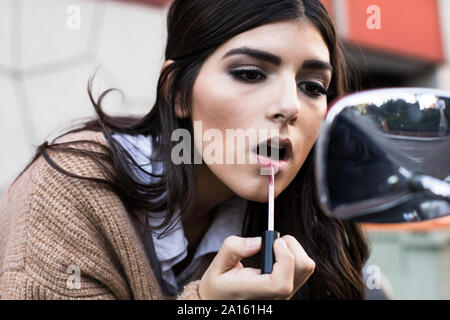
(318, 90)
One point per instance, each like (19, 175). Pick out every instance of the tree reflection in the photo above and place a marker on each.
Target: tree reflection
(397, 116)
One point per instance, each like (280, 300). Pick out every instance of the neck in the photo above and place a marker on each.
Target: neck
(197, 220)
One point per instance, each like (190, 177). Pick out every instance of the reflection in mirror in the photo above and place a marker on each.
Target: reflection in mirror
(382, 155)
(413, 129)
(357, 169)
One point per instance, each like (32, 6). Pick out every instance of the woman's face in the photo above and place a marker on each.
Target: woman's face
(282, 97)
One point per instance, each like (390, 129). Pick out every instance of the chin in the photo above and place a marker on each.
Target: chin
(255, 198)
(251, 193)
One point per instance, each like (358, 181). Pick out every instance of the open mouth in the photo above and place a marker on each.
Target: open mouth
(275, 149)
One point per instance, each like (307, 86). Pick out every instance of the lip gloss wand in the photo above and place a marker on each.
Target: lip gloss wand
(269, 236)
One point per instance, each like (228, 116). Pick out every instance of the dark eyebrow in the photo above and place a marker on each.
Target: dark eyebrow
(276, 60)
(317, 65)
(257, 54)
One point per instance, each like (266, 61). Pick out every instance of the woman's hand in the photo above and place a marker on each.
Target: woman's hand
(227, 279)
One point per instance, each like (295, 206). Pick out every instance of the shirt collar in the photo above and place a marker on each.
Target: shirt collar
(228, 221)
(172, 246)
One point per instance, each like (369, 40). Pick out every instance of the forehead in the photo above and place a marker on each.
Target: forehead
(293, 40)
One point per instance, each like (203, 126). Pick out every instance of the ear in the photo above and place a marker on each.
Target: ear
(178, 110)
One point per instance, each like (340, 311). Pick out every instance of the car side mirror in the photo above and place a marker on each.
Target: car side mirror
(383, 156)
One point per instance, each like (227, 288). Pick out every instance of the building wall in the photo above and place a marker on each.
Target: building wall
(443, 72)
(47, 58)
(404, 24)
(409, 47)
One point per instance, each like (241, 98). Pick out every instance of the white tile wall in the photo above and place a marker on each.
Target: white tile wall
(15, 147)
(45, 66)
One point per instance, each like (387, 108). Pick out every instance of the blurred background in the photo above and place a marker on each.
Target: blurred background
(49, 48)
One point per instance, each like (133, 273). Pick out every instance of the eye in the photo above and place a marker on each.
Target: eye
(313, 89)
(248, 75)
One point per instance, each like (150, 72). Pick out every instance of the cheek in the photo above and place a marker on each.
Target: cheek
(214, 109)
(213, 105)
(311, 120)
(307, 132)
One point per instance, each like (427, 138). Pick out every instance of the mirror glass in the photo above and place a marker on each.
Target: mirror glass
(372, 146)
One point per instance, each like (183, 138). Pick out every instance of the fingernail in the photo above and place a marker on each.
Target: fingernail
(253, 242)
(283, 243)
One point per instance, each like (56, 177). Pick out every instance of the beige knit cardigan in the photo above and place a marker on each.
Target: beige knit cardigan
(54, 228)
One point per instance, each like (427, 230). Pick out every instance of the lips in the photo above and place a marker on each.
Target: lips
(275, 148)
(274, 152)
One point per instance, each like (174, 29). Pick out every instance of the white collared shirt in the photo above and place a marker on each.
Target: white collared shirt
(171, 248)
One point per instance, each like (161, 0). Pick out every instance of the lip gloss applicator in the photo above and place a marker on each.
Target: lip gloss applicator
(270, 235)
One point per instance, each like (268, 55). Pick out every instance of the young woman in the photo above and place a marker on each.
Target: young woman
(105, 212)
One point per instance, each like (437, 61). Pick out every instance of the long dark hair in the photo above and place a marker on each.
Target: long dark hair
(195, 29)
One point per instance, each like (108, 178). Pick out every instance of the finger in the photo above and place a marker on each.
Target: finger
(304, 265)
(282, 276)
(233, 250)
(249, 283)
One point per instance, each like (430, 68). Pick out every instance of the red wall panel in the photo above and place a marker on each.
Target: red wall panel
(408, 27)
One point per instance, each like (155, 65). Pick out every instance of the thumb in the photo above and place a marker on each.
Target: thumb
(233, 250)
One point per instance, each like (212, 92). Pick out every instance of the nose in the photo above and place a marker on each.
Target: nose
(286, 107)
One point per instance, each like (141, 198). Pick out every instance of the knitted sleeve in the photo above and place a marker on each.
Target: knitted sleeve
(67, 238)
(190, 291)
(60, 249)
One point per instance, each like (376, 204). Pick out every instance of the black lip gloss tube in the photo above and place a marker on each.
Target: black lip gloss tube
(267, 253)
(270, 235)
